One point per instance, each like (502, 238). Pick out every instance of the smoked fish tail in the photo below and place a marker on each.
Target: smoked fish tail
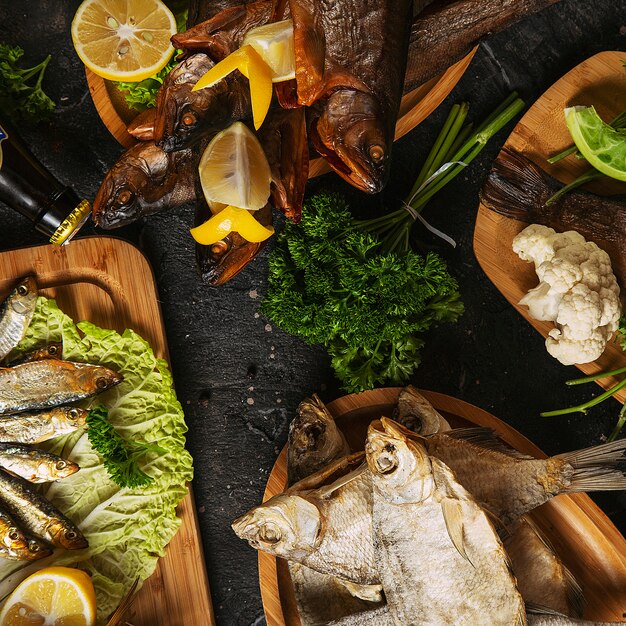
(599, 468)
(514, 187)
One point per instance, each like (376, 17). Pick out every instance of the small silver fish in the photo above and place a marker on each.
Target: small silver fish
(38, 516)
(36, 466)
(42, 425)
(48, 383)
(440, 559)
(16, 313)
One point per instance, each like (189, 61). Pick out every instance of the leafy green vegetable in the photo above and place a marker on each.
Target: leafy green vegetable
(120, 456)
(329, 283)
(127, 529)
(21, 95)
(585, 406)
(142, 95)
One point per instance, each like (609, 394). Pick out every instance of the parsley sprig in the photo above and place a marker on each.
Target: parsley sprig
(120, 455)
(21, 95)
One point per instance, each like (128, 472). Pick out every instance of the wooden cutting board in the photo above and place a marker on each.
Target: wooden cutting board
(581, 533)
(541, 133)
(110, 283)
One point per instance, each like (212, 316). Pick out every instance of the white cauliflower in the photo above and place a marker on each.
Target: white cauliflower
(577, 291)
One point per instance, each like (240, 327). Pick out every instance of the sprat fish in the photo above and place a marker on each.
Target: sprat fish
(34, 465)
(16, 313)
(48, 383)
(52, 350)
(39, 426)
(38, 516)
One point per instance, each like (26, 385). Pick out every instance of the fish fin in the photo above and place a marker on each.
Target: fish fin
(597, 468)
(453, 517)
(540, 609)
(327, 490)
(371, 593)
(485, 438)
(512, 185)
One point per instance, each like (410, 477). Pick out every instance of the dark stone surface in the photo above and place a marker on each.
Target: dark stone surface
(238, 378)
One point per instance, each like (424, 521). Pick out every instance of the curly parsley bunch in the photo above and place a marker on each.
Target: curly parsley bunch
(330, 284)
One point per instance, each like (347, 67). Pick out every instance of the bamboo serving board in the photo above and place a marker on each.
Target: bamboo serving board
(415, 107)
(110, 283)
(581, 533)
(541, 133)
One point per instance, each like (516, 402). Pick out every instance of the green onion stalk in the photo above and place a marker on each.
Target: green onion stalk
(456, 146)
(618, 123)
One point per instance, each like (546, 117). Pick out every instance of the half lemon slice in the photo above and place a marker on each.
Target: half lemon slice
(274, 43)
(234, 169)
(127, 40)
(55, 596)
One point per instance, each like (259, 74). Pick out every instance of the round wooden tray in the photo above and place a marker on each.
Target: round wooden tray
(415, 107)
(541, 133)
(581, 533)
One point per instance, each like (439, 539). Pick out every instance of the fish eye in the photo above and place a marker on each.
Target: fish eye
(22, 290)
(377, 153)
(219, 248)
(101, 382)
(61, 465)
(33, 546)
(269, 533)
(73, 413)
(124, 197)
(14, 534)
(52, 350)
(189, 119)
(70, 534)
(386, 461)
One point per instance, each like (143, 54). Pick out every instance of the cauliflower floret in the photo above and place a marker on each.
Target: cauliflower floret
(540, 243)
(577, 290)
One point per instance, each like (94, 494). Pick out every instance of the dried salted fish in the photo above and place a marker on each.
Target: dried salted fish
(440, 559)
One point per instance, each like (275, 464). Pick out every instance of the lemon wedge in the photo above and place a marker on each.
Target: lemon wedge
(274, 43)
(255, 69)
(126, 40)
(228, 220)
(234, 170)
(602, 145)
(53, 596)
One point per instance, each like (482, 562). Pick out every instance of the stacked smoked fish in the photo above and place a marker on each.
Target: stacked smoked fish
(350, 69)
(33, 392)
(430, 530)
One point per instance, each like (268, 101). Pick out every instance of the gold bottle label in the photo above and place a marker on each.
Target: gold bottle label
(70, 225)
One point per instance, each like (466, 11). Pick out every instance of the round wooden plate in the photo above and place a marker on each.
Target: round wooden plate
(541, 133)
(415, 107)
(582, 534)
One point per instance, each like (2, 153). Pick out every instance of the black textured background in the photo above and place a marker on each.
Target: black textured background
(239, 379)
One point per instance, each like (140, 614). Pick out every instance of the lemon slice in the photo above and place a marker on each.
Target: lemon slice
(53, 596)
(274, 43)
(234, 169)
(228, 220)
(126, 40)
(602, 145)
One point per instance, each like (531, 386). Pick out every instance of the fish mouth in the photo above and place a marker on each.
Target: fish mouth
(241, 527)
